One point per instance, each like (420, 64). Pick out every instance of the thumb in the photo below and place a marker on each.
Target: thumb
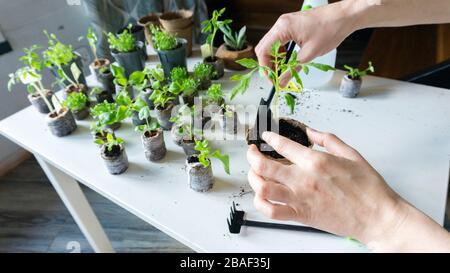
(307, 53)
(333, 145)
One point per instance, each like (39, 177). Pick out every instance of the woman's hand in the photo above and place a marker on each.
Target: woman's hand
(337, 191)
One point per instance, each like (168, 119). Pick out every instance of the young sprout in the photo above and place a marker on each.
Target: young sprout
(151, 125)
(76, 101)
(110, 142)
(109, 113)
(184, 120)
(179, 74)
(163, 40)
(57, 53)
(92, 38)
(161, 97)
(234, 40)
(212, 26)
(281, 67)
(123, 42)
(206, 153)
(355, 73)
(204, 72)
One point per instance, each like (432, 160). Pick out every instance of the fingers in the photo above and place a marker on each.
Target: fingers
(293, 151)
(286, 77)
(274, 211)
(279, 32)
(267, 189)
(265, 167)
(333, 145)
(307, 53)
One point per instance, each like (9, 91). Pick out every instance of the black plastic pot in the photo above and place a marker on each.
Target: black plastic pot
(114, 126)
(200, 178)
(164, 115)
(173, 58)
(82, 114)
(116, 161)
(61, 123)
(218, 64)
(131, 61)
(154, 145)
(106, 80)
(38, 102)
(66, 69)
(104, 96)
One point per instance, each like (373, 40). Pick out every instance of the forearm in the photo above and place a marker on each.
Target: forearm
(411, 231)
(390, 13)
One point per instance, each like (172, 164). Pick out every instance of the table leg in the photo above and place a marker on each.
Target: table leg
(73, 197)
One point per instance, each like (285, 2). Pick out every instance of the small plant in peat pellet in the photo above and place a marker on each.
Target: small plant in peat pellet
(198, 166)
(133, 106)
(128, 52)
(97, 63)
(163, 100)
(152, 136)
(110, 115)
(59, 119)
(171, 50)
(121, 81)
(235, 47)
(73, 80)
(211, 27)
(59, 56)
(187, 128)
(281, 67)
(30, 76)
(113, 154)
(183, 85)
(204, 73)
(214, 100)
(77, 102)
(352, 81)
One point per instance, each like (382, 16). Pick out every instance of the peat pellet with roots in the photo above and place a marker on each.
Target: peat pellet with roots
(116, 160)
(163, 116)
(200, 178)
(61, 123)
(38, 102)
(154, 145)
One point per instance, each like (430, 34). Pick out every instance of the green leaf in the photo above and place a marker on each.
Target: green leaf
(322, 67)
(290, 101)
(248, 63)
(75, 71)
(137, 77)
(144, 113)
(243, 84)
(275, 48)
(225, 159)
(99, 142)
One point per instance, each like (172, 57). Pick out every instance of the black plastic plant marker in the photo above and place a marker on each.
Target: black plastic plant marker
(236, 221)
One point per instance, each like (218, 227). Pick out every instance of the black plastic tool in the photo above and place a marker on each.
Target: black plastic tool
(237, 220)
(264, 111)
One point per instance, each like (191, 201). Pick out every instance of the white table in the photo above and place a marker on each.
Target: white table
(402, 129)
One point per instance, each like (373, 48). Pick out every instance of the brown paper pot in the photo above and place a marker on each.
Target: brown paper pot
(272, 154)
(146, 21)
(230, 57)
(176, 20)
(185, 33)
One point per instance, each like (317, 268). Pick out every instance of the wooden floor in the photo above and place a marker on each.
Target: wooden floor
(34, 219)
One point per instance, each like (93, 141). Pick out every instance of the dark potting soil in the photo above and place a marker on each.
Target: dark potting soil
(210, 59)
(288, 130)
(151, 134)
(193, 159)
(115, 151)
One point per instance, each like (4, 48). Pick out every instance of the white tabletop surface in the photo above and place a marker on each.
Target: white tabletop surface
(402, 129)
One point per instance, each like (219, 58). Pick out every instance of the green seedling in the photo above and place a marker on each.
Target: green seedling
(234, 40)
(204, 72)
(123, 42)
(211, 27)
(163, 40)
(206, 153)
(76, 101)
(151, 125)
(356, 74)
(110, 142)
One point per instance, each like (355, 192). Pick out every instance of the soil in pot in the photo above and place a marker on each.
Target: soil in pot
(350, 87)
(131, 61)
(218, 65)
(116, 160)
(290, 128)
(200, 178)
(154, 145)
(61, 123)
(230, 56)
(163, 116)
(75, 88)
(81, 114)
(173, 58)
(38, 102)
